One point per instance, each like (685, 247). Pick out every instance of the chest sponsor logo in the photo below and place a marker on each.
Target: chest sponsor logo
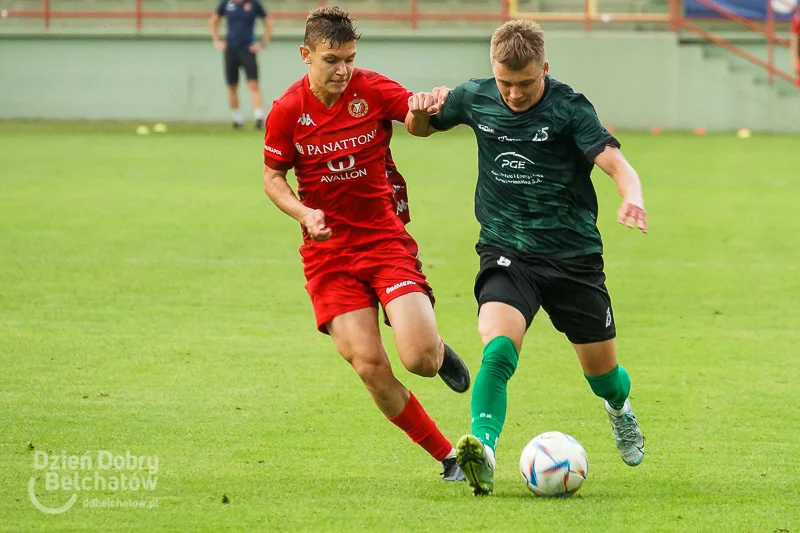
(342, 164)
(231, 6)
(513, 160)
(515, 169)
(328, 145)
(358, 107)
(343, 169)
(487, 129)
(306, 120)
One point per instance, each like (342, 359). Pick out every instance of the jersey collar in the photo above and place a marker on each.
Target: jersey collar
(335, 107)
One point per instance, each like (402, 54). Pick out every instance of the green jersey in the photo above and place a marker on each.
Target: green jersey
(534, 194)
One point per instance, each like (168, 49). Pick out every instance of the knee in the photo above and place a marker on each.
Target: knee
(425, 359)
(500, 358)
(490, 331)
(486, 330)
(423, 367)
(372, 370)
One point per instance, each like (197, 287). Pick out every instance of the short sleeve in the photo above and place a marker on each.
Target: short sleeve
(394, 98)
(452, 112)
(589, 134)
(279, 150)
(261, 11)
(221, 8)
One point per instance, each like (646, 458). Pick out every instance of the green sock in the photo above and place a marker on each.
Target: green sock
(612, 387)
(489, 397)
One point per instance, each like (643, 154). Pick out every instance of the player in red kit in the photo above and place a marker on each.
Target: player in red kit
(333, 127)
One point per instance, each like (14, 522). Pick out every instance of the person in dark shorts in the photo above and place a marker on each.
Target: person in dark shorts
(795, 43)
(239, 49)
(539, 245)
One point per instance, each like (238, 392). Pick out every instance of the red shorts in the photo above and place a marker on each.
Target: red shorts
(347, 279)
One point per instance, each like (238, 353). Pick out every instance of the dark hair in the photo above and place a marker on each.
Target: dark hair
(329, 24)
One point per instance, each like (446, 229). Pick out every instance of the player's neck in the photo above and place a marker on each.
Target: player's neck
(327, 99)
(540, 92)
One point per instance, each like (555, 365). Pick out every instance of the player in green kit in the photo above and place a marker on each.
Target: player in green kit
(539, 245)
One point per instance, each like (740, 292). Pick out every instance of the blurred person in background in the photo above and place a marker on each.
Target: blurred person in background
(795, 47)
(240, 49)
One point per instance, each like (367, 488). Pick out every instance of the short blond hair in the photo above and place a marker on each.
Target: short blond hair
(518, 43)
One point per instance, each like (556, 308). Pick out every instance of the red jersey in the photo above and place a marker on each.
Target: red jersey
(796, 22)
(341, 155)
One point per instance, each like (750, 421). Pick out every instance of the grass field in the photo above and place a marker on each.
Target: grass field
(152, 301)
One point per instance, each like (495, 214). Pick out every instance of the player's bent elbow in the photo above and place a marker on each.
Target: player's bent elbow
(270, 187)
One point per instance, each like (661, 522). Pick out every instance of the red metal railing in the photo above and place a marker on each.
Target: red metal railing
(139, 14)
(414, 17)
(673, 18)
(767, 31)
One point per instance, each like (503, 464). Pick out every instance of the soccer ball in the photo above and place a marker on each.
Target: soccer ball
(553, 464)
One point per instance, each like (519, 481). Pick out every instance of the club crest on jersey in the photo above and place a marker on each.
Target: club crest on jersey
(299, 148)
(358, 107)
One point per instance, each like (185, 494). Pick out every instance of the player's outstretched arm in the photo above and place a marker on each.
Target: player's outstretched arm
(440, 94)
(632, 211)
(282, 195)
(420, 108)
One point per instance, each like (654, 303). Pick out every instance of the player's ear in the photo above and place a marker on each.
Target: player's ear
(546, 68)
(305, 54)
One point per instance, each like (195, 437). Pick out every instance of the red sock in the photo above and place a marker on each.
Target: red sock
(421, 429)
